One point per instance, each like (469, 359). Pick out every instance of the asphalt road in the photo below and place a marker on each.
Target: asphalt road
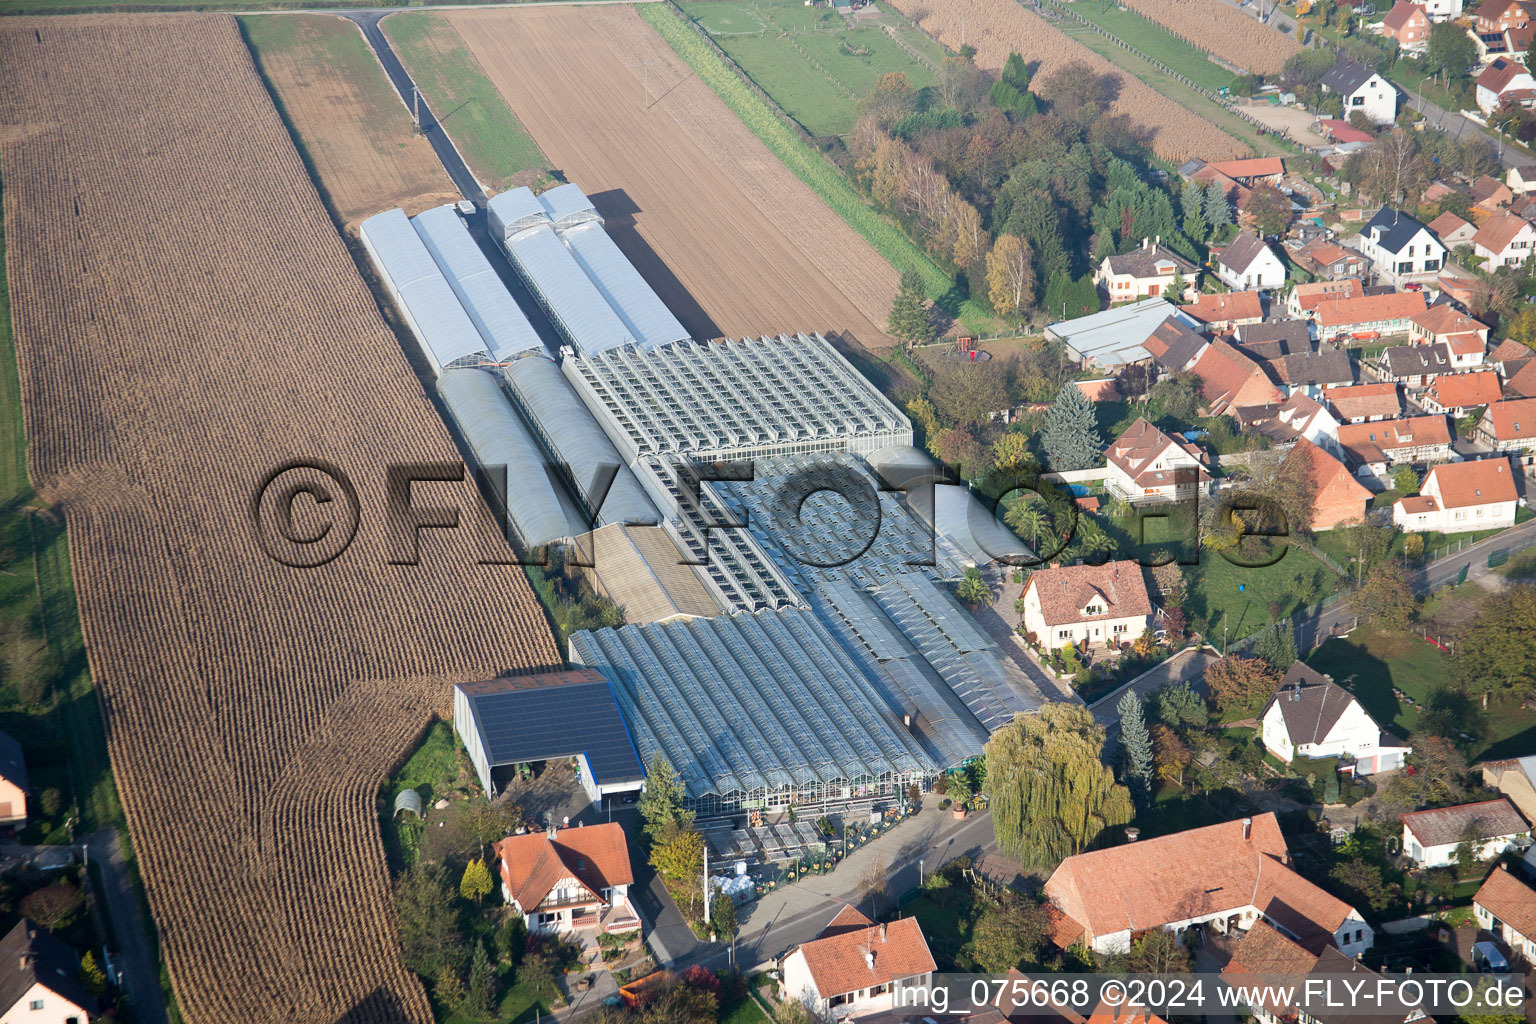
(136, 955)
(442, 145)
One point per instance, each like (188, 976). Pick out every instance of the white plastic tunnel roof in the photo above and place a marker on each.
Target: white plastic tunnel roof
(444, 330)
(575, 439)
(567, 205)
(480, 291)
(570, 297)
(514, 211)
(536, 509)
(641, 309)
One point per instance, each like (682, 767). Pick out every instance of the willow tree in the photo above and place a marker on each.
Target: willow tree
(1050, 791)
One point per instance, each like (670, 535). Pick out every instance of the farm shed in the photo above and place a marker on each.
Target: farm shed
(734, 399)
(442, 329)
(490, 306)
(538, 510)
(1114, 337)
(573, 438)
(759, 710)
(519, 720)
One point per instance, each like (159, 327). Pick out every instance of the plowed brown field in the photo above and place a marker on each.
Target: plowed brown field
(1223, 30)
(998, 27)
(732, 241)
(358, 134)
(186, 321)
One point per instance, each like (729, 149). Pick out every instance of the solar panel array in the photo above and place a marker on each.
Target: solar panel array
(540, 723)
(444, 331)
(747, 705)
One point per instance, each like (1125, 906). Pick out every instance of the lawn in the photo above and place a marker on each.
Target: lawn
(743, 1011)
(810, 60)
(492, 140)
(944, 923)
(1156, 42)
(518, 1004)
(1228, 602)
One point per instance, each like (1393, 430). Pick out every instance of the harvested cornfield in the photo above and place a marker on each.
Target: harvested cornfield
(1219, 28)
(187, 320)
(359, 136)
(998, 27)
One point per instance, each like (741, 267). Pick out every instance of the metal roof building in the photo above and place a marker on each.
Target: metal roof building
(514, 211)
(443, 330)
(753, 397)
(490, 306)
(1114, 337)
(567, 206)
(570, 434)
(758, 710)
(538, 511)
(570, 299)
(641, 309)
(643, 571)
(518, 720)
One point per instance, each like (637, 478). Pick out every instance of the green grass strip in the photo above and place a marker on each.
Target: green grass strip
(798, 155)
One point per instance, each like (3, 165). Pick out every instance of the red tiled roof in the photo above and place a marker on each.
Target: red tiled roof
(1224, 372)
(1465, 390)
(1485, 819)
(1445, 224)
(1099, 390)
(1365, 400)
(1226, 306)
(1523, 383)
(1333, 484)
(1367, 442)
(1509, 350)
(1342, 131)
(1418, 503)
(1312, 295)
(1510, 900)
(1447, 319)
(1140, 445)
(1236, 192)
(595, 855)
(849, 919)
(1499, 231)
(1265, 951)
(1464, 484)
(1513, 420)
(1066, 590)
(1495, 79)
(1341, 312)
(1401, 13)
(859, 958)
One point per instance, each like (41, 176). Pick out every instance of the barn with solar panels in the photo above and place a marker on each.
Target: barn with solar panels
(522, 720)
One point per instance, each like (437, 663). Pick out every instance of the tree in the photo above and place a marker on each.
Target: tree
(1451, 52)
(957, 447)
(1268, 208)
(1010, 453)
(1009, 934)
(678, 856)
(483, 822)
(1010, 276)
(1028, 518)
(1387, 598)
(872, 885)
(1136, 745)
(1498, 649)
(722, 916)
(92, 976)
(1439, 775)
(1170, 755)
(1159, 952)
(909, 320)
(1177, 397)
(537, 974)
(1071, 436)
(1241, 684)
(1050, 793)
(476, 883)
(969, 393)
(1368, 543)
(661, 804)
(1405, 481)
(430, 939)
(1179, 707)
(973, 589)
(512, 939)
(1364, 883)
(480, 996)
(1217, 207)
(1276, 646)
(449, 988)
(793, 1011)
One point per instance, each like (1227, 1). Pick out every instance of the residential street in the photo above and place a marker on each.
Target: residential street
(135, 949)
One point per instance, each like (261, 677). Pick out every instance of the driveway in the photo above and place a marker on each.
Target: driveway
(136, 952)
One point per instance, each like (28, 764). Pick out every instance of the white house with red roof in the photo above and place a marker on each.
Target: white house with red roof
(1311, 716)
(1460, 497)
(1087, 604)
(857, 967)
(1224, 878)
(1504, 80)
(569, 879)
(1510, 427)
(1144, 464)
(1464, 336)
(1430, 837)
(1458, 393)
(1506, 906)
(1504, 240)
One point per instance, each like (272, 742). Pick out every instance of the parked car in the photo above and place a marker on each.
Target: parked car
(1487, 959)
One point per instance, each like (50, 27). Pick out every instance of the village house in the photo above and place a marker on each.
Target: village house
(1340, 498)
(1147, 465)
(1248, 263)
(1459, 393)
(1265, 951)
(1506, 906)
(1223, 312)
(1203, 173)
(1230, 380)
(1513, 43)
(1414, 366)
(569, 879)
(1521, 383)
(1464, 337)
(1367, 317)
(1509, 427)
(1362, 89)
(1366, 403)
(1220, 879)
(1489, 194)
(40, 979)
(1407, 24)
(1300, 416)
(1148, 271)
(1504, 80)
(1400, 249)
(1452, 230)
(1331, 261)
(1460, 497)
(1174, 346)
(1508, 356)
(1374, 448)
(1314, 372)
(1251, 171)
(1093, 605)
(1521, 179)
(1273, 340)
(1443, 10)
(857, 967)
(1500, 16)
(1304, 299)
(13, 782)
(1430, 837)
(1310, 716)
(1515, 778)
(1112, 338)
(1265, 956)
(1504, 240)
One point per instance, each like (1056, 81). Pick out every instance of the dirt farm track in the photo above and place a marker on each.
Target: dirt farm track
(729, 237)
(187, 321)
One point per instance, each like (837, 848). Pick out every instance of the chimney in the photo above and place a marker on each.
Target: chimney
(1247, 829)
(1144, 244)
(550, 832)
(882, 931)
(1132, 834)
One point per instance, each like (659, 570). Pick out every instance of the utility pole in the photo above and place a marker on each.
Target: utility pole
(645, 76)
(416, 104)
(707, 893)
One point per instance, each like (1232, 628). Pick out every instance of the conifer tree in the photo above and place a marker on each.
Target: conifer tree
(909, 320)
(1135, 745)
(1071, 435)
